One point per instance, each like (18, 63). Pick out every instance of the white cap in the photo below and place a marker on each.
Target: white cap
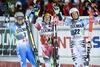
(18, 3)
(67, 1)
(72, 10)
(19, 14)
(82, 1)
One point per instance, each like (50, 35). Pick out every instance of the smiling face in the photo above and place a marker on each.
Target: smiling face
(20, 19)
(47, 19)
(75, 15)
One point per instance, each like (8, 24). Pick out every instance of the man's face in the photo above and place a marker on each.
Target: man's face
(75, 15)
(46, 19)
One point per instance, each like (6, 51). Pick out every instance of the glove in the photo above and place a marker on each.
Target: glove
(36, 9)
(34, 13)
(7, 19)
(26, 18)
(56, 9)
(90, 11)
(50, 40)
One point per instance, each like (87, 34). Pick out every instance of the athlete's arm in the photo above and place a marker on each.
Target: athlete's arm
(34, 14)
(67, 20)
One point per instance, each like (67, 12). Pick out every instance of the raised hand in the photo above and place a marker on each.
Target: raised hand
(56, 9)
(36, 9)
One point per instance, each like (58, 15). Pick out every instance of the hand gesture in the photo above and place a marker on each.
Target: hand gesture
(56, 9)
(36, 9)
(91, 12)
(7, 18)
